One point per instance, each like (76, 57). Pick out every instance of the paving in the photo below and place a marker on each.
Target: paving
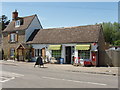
(70, 68)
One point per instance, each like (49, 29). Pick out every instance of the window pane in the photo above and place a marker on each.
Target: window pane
(85, 54)
(12, 37)
(17, 23)
(56, 53)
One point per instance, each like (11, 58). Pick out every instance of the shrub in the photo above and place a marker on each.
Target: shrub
(117, 42)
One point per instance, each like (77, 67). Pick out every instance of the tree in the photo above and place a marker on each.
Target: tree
(111, 32)
(3, 22)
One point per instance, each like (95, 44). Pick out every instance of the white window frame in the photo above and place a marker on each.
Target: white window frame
(38, 52)
(12, 37)
(17, 23)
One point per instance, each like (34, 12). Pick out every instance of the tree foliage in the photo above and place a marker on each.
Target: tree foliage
(111, 32)
(3, 22)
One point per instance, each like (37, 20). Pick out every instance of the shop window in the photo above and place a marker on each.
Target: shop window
(38, 52)
(56, 54)
(12, 52)
(84, 54)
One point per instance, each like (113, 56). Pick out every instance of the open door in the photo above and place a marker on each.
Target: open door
(68, 54)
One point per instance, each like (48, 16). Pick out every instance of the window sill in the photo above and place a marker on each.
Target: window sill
(12, 42)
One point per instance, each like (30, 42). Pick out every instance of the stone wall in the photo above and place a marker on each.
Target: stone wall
(112, 58)
(7, 45)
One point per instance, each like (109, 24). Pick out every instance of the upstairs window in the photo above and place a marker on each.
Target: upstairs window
(13, 37)
(17, 23)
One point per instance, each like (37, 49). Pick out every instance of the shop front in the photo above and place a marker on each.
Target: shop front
(83, 54)
(86, 54)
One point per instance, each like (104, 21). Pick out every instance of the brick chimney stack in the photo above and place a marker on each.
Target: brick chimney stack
(14, 15)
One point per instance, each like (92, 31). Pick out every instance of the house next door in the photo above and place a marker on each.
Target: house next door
(68, 54)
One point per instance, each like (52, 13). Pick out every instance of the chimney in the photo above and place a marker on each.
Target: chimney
(14, 15)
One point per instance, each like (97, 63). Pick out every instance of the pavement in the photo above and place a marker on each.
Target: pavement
(70, 68)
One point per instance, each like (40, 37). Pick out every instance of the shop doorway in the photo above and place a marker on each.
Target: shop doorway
(68, 54)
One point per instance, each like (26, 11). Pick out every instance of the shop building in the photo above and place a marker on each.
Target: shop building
(71, 44)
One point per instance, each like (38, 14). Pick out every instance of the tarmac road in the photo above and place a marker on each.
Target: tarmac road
(26, 76)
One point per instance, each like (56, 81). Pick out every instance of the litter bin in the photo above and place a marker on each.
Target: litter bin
(61, 60)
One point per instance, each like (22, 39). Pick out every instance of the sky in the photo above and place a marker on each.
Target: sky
(65, 14)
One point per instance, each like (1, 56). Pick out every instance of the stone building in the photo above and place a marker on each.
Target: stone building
(17, 33)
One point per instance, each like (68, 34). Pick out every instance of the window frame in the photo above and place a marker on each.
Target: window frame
(17, 23)
(12, 52)
(84, 54)
(38, 52)
(56, 54)
(13, 37)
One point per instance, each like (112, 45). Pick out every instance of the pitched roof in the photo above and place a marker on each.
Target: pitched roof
(33, 35)
(26, 22)
(25, 46)
(79, 34)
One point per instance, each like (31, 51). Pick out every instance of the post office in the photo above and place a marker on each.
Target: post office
(72, 44)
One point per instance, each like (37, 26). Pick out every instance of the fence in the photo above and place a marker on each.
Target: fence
(112, 58)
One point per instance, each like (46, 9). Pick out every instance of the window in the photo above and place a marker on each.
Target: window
(38, 52)
(12, 52)
(12, 37)
(17, 23)
(56, 54)
(84, 54)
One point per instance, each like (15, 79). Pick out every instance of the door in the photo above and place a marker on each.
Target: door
(68, 55)
(20, 55)
(43, 52)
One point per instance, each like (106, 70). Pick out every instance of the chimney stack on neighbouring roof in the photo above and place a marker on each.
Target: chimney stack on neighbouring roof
(14, 15)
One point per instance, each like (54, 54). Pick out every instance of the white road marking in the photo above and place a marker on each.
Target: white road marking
(74, 81)
(6, 79)
(7, 76)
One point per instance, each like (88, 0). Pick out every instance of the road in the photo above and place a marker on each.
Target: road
(26, 76)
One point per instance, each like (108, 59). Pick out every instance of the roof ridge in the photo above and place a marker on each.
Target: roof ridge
(28, 16)
(70, 27)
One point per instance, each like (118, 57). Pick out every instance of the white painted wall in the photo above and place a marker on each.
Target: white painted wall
(63, 52)
(39, 46)
(49, 52)
(34, 25)
(94, 47)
